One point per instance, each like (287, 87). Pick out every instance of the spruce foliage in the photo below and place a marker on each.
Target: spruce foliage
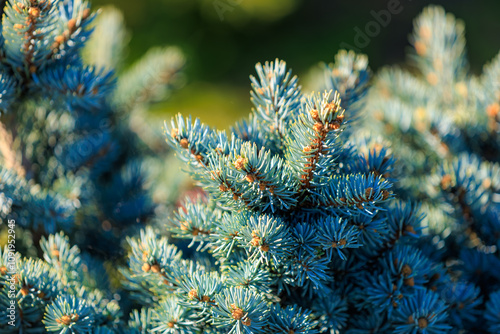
(305, 224)
(70, 161)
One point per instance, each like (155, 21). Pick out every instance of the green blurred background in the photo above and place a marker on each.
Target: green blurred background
(223, 39)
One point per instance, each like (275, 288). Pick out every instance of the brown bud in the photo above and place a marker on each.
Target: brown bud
(18, 26)
(33, 11)
(255, 241)
(3, 270)
(171, 324)
(318, 127)
(432, 78)
(422, 322)
(385, 194)
(332, 107)
(72, 25)
(492, 110)
(334, 126)
(246, 322)
(59, 39)
(369, 193)
(65, 320)
(410, 229)
(146, 267)
(184, 143)
(193, 294)
(25, 290)
(406, 270)
(205, 299)
(236, 312)
(264, 248)
(446, 181)
(420, 48)
(486, 183)
(250, 178)
(314, 114)
(223, 188)
(86, 13)
(240, 163)
(155, 268)
(409, 281)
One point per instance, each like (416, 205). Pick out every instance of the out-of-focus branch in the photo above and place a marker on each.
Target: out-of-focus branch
(8, 153)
